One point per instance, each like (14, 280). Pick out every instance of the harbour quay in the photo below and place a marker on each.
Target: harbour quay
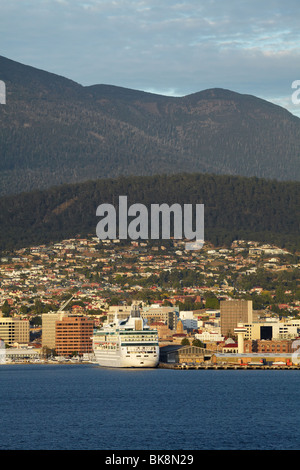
(227, 366)
(193, 357)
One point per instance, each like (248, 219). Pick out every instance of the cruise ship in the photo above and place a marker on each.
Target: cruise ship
(126, 343)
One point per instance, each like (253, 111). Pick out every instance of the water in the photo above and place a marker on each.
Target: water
(85, 407)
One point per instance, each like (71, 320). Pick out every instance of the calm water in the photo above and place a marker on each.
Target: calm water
(86, 407)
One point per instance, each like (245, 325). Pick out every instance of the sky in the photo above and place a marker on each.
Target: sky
(172, 48)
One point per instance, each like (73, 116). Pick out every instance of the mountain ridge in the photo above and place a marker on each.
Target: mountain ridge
(56, 131)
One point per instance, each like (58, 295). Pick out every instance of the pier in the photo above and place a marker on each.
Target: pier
(228, 366)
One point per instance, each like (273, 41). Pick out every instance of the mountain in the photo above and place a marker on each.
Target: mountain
(55, 131)
(234, 208)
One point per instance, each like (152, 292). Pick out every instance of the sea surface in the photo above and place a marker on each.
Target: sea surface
(86, 407)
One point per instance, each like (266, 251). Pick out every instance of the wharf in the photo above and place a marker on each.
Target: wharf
(228, 366)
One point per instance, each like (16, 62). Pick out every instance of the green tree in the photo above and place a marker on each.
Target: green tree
(185, 342)
(198, 343)
(6, 309)
(212, 302)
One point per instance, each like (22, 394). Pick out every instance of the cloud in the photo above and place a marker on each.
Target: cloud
(185, 46)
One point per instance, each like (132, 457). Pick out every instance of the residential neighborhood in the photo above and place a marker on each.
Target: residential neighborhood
(97, 277)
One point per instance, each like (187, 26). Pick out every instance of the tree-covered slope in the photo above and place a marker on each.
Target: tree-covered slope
(235, 208)
(55, 131)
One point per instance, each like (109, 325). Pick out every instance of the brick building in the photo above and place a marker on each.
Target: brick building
(268, 346)
(164, 333)
(74, 335)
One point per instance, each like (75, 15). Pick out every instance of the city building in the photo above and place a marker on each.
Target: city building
(268, 346)
(177, 354)
(230, 347)
(121, 312)
(273, 328)
(233, 312)
(168, 315)
(189, 324)
(186, 315)
(74, 335)
(49, 328)
(14, 330)
(22, 354)
(164, 333)
(209, 336)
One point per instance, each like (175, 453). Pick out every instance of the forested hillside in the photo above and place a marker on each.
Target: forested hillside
(235, 208)
(55, 131)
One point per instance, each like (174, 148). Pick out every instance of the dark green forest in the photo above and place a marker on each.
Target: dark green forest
(235, 208)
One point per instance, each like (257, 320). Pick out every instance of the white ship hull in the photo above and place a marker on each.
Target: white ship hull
(118, 359)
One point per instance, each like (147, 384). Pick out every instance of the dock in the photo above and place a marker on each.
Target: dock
(228, 366)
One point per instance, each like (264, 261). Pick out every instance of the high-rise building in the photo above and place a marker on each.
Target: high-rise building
(74, 335)
(233, 312)
(168, 315)
(14, 330)
(49, 328)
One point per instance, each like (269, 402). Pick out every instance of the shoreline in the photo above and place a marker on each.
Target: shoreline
(176, 366)
(228, 366)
